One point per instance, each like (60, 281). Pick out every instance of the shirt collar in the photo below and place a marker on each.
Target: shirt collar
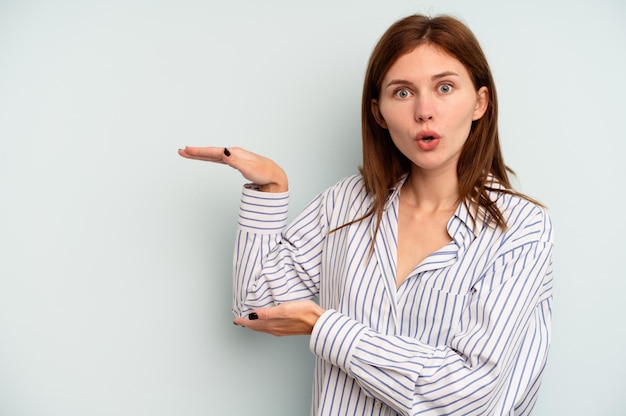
(466, 220)
(465, 223)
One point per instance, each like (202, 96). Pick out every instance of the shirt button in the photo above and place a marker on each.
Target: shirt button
(378, 405)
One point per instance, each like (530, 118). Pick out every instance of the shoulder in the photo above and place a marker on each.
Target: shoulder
(350, 187)
(525, 219)
(353, 185)
(346, 200)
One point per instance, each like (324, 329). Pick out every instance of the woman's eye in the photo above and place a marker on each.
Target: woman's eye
(403, 93)
(445, 88)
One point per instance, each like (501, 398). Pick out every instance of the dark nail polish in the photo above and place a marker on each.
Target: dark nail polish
(253, 316)
(226, 152)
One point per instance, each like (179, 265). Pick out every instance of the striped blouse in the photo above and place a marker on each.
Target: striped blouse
(466, 333)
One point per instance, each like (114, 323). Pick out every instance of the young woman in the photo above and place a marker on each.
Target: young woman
(433, 278)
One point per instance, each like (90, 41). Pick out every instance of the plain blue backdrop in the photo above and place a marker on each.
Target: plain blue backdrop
(115, 253)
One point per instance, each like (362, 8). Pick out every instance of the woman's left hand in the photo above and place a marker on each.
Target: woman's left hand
(290, 318)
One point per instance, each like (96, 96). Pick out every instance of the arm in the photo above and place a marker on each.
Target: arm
(273, 265)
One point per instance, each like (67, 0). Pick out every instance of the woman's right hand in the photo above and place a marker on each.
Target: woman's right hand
(258, 169)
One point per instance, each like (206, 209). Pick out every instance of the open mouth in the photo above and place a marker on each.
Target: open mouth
(427, 140)
(427, 136)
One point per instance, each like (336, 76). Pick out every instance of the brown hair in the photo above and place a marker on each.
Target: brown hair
(384, 164)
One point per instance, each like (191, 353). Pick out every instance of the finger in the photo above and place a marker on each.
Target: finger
(241, 321)
(264, 314)
(256, 315)
(255, 325)
(276, 327)
(208, 154)
(204, 152)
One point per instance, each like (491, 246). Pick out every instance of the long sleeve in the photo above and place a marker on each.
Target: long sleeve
(273, 264)
(490, 363)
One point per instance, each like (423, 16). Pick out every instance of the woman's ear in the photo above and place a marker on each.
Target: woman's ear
(377, 114)
(482, 102)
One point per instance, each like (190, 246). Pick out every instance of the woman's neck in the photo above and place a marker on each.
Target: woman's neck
(430, 192)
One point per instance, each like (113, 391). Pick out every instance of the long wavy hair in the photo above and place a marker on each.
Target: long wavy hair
(384, 165)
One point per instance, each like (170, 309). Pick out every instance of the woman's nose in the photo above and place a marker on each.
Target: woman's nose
(423, 110)
(423, 117)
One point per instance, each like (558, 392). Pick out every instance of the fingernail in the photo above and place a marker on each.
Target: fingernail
(253, 316)
(226, 152)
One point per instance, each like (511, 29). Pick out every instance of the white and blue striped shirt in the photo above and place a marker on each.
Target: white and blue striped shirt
(466, 333)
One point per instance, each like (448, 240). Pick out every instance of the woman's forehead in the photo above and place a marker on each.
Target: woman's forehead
(425, 59)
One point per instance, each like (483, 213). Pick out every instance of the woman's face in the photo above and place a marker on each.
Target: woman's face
(428, 102)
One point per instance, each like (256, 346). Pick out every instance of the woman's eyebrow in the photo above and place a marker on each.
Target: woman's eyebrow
(433, 78)
(398, 82)
(444, 74)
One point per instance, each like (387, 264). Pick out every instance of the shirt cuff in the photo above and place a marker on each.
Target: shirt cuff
(263, 212)
(335, 337)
